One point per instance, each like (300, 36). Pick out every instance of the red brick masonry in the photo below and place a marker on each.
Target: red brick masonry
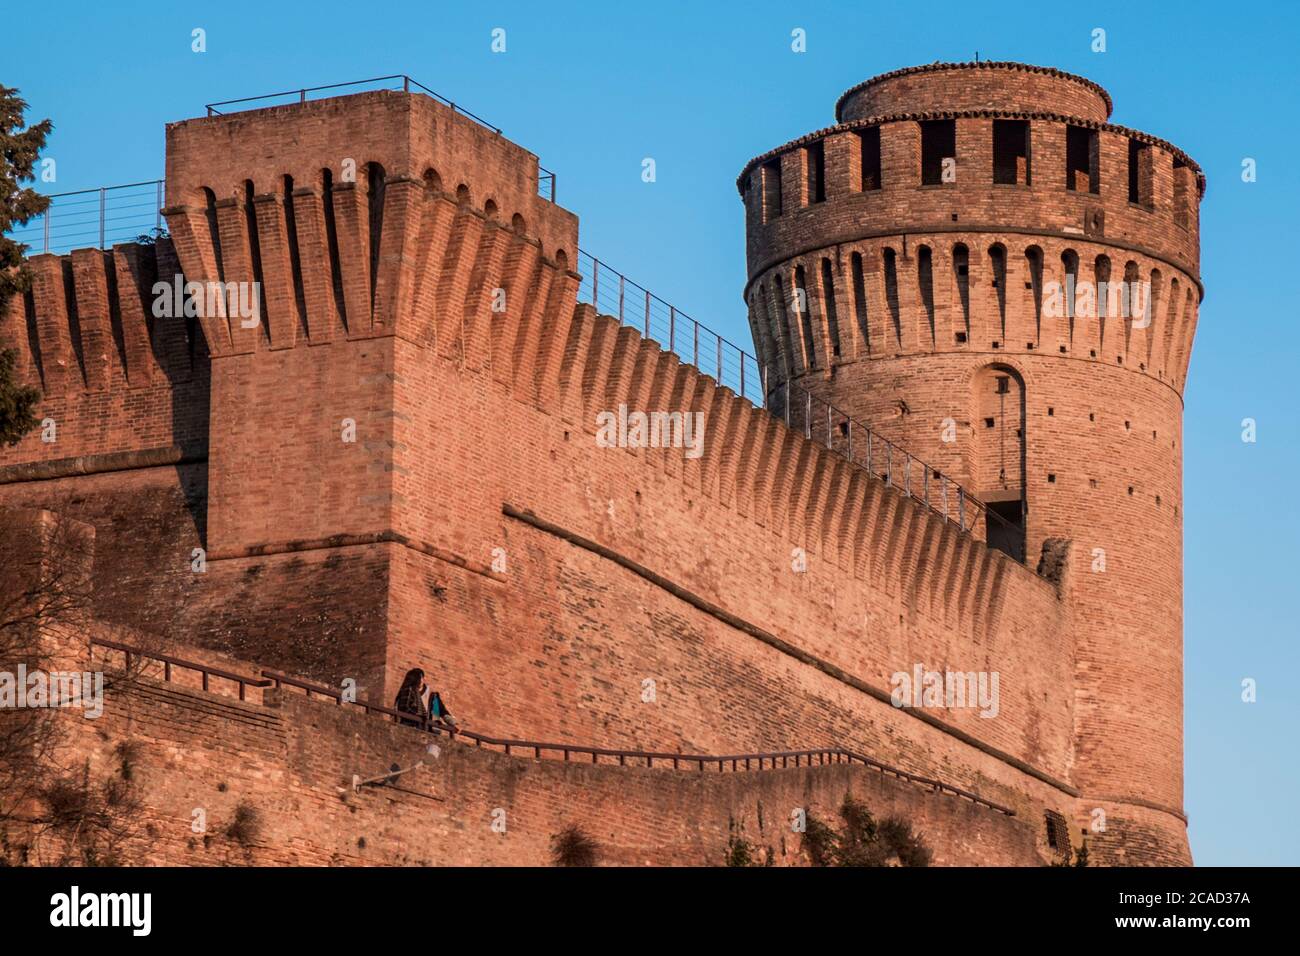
(632, 597)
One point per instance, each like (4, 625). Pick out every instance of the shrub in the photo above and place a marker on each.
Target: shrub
(862, 841)
(573, 847)
(246, 826)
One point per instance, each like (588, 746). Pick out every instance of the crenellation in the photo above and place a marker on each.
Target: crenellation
(236, 265)
(520, 266)
(573, 365)
(351, 218)
(16, 336)
(556, 319)
(57, 362)
(527, 333)
(404, 203)
(484, 280)
(278, 285)
(197, 260)
(90, 295)
(458, 265)
(605, 331)
(144, 336)
(315, 268)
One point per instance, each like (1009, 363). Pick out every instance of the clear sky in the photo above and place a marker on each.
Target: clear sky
(594, 88)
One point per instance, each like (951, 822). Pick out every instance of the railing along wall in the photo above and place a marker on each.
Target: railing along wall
(769, 760)
(120, 213)
(614, 294)
(96, 218)
(398, 81)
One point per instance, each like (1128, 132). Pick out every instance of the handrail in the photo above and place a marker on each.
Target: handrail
(823, 755)
(96, 227)
(407, 83)
(243, 680)
(733, 367)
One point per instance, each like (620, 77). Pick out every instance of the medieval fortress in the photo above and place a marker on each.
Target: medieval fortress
(955, 461)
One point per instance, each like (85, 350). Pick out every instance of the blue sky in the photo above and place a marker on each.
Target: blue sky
(594, 88)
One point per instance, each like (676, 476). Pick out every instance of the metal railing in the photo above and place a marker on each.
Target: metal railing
(769, 760)
(396, 81)
(545, 178)
(205, 671)
(545, 183)
(612, 293)
(96, 217)
(100, 218)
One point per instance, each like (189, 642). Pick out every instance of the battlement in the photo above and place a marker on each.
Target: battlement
(114, 378)
(971, 290)
(1025, 172)
(409, 173)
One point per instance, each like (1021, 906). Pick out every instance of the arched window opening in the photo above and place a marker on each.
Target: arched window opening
(891, 292)
(255, 255)
(925, 282)
(214, 233)
(961, 278)
(1106, 298)
(376, 180)
(998, 266)
(1135, 302)
(1034, 284)
(860, 300)
(1070, 268)
(332, 241)
(783, 325)
(805, 320)
(1153, 304)
(832, 315)
(998, 456)
(295, 258)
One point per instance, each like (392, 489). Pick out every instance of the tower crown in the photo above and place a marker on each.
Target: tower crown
(974, 86)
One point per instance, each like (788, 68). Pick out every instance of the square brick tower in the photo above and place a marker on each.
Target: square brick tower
(978, 265)
(378, 228)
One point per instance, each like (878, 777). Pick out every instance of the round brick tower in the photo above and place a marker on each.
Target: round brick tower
(977, 265)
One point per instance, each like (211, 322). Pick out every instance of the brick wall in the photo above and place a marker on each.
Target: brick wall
(292, 761)
(765, 591)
